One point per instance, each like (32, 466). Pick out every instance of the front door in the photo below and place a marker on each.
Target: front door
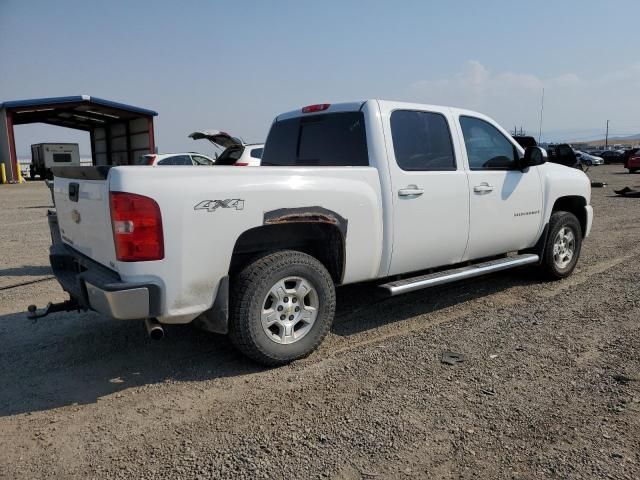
(429, 188)
(505, 204)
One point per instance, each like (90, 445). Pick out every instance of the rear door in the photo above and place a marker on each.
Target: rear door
(429, 188)
(505, 204)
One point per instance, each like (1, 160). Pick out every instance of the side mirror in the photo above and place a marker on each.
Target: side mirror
(533, 156)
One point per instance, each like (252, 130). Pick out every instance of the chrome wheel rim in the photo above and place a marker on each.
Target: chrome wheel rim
(289, 310)
(564, 247)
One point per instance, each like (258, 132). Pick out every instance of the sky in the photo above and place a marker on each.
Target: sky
(235, 65)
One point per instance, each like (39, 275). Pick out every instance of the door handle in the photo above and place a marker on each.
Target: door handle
(410, 191)
(484, 187)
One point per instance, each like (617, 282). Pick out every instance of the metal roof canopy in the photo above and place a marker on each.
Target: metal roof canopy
(119, 132)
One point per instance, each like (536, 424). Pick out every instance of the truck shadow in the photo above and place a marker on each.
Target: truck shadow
(362, 307)
(70, 358)
(26, 270)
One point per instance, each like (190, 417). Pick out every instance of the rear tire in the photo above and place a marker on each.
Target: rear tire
(282, 307)
(563, 245)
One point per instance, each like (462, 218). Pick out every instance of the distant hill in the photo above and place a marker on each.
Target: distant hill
(626, 139)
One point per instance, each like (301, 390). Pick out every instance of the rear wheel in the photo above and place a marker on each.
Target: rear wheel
(282, 307)
(563, 246)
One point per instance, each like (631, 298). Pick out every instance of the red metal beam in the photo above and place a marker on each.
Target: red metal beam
(13, 158)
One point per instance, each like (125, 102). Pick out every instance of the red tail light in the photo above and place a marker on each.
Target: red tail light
(316, 108)
(137, 227)
(241, 164)
(151, 159)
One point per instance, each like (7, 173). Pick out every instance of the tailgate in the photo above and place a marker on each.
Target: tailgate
(81, 196)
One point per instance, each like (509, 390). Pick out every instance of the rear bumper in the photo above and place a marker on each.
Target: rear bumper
(98, 288)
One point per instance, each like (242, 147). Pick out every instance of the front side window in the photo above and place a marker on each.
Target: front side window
(487, 148)
(328, 140)
(422, 141)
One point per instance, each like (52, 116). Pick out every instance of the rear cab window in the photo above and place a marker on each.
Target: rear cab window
(327, 140)
(422, 141)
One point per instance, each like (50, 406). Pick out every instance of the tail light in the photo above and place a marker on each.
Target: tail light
(137, 227)
(241, 164)
(151, 159)
(316, 108)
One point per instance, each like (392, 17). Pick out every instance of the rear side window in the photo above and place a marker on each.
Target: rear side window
(176, 160)
(487, 148)
(422, 141)
(328, 140)
(256, 152)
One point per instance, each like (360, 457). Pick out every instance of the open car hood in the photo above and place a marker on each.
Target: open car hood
(221, 139)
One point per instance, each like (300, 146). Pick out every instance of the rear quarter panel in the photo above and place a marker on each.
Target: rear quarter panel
(199, 243)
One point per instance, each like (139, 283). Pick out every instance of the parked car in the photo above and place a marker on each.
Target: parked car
(588, 159)
(189, 158)
(349, 192)
(633, 162)
(235, 151)
(563, 154)
(632, 152)
(525, 141)
(612, 156)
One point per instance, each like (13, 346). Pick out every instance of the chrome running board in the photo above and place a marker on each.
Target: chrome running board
(447, 276)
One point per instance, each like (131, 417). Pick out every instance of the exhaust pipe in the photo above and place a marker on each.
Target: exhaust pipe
(154, 329)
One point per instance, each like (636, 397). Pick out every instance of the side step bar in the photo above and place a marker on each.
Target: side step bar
(447, 276)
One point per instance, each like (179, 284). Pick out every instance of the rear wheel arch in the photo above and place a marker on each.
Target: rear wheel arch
(321, 240)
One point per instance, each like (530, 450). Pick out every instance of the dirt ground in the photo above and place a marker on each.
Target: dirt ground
(549, 387)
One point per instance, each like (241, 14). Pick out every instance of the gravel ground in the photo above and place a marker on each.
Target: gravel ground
(549, 386)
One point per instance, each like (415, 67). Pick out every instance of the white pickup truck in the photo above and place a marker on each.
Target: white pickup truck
(413, 195)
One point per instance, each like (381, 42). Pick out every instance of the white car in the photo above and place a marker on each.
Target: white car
(589, 159)
(405, 194)
(183, 159)
(235, 151)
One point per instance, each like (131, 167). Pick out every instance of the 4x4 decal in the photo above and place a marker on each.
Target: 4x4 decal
(213, 205)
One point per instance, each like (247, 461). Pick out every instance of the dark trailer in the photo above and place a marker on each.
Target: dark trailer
(119, 133)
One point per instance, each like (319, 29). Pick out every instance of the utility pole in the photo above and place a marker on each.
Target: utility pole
(606, 138)
(541, 112)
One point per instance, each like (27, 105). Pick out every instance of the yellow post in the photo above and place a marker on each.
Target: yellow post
(20, 179)
(3, 173)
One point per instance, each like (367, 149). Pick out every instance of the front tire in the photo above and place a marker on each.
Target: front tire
(563, 245)
(282, 307)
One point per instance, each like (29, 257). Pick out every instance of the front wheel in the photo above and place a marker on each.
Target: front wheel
(282, 307)
(563, 246)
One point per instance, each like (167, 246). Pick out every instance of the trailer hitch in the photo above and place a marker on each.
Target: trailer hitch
(66, 306)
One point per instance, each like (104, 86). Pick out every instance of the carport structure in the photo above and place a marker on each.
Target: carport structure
(119, 133)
